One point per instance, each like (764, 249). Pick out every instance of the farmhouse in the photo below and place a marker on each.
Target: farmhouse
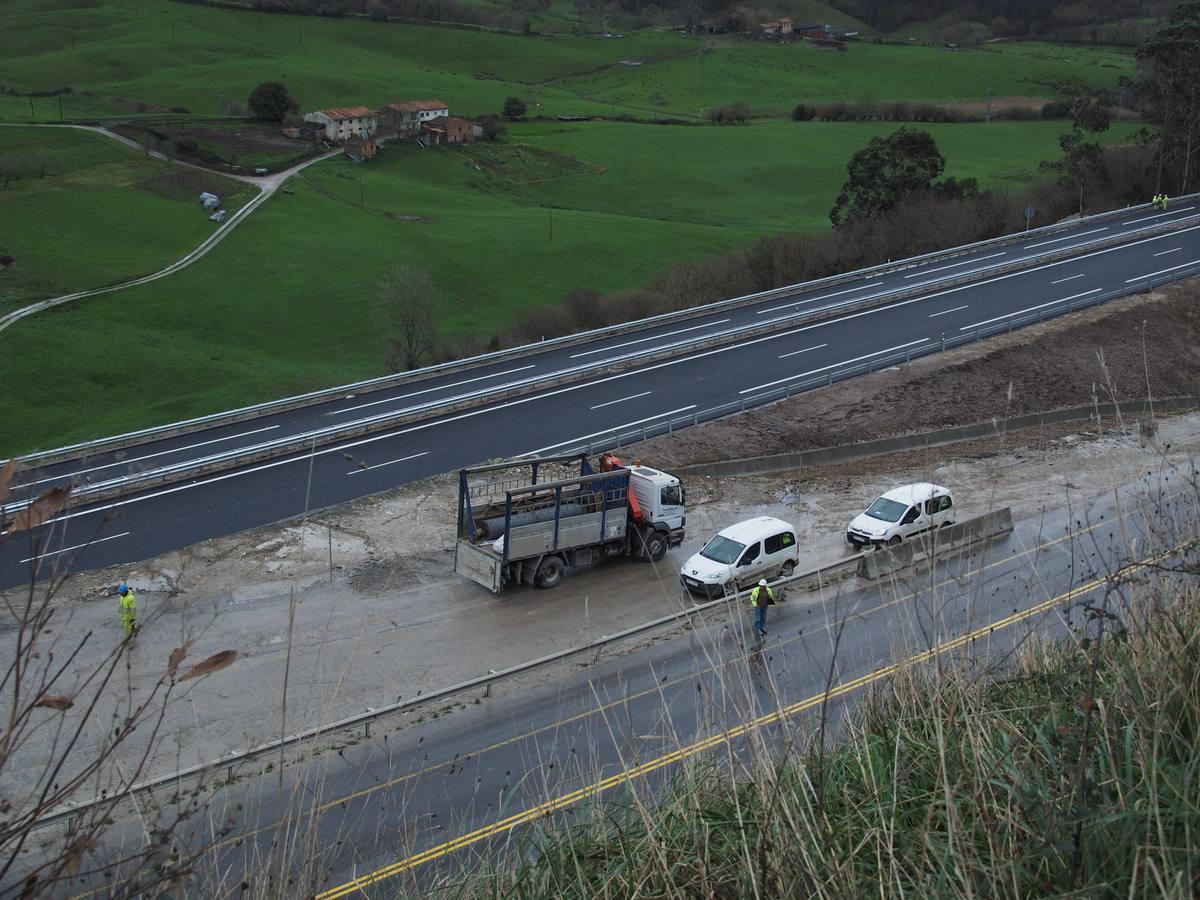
(776, 27)
(405, 117)
(361, 147)
(448, 130)
(342, 124)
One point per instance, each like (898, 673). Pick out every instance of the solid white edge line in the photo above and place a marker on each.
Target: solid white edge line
(338, 412)
(390, 462)
(798, 352)
(965, 262)
(1165, 252)
(125, 462)
(813, 299)
(622, 400)
(1194, 262)
(833, 366)
(1068, 237)
(653, 337)
(606, 431)
(1160, 215)
(1029, 309)
(946, 312)
(111, 537)
(1070, 278)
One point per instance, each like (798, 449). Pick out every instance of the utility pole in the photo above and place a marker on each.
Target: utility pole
(989, 105)
(301, 34)
(361, 201)
(31, 106)
(551, 223)
(60, 115)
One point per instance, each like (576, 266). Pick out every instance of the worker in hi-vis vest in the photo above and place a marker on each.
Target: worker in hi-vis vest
(128, 609)
(760, 598)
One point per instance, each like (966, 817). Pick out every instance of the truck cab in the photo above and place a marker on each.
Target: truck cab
(661, 498)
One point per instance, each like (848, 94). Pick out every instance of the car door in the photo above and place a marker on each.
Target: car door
(749, 565)
(913, 522)
(937, 509)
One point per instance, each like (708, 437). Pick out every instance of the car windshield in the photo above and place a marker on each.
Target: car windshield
(722, 550)
(886, 510)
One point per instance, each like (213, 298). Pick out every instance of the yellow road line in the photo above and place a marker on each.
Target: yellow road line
(650, 766)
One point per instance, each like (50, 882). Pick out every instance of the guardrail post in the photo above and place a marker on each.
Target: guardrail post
(487, 688)
(367, 730)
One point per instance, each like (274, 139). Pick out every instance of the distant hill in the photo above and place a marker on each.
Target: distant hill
(1083, 20)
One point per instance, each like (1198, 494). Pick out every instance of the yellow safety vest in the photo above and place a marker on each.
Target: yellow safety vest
(128, 604)
(754, 596)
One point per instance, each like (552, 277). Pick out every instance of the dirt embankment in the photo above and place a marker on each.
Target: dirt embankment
(1124, 350)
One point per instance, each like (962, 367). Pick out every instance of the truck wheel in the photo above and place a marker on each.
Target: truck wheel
(549, 573)
(654, 546)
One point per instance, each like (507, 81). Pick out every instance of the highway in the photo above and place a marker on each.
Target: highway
(405, 810)
(559, 418)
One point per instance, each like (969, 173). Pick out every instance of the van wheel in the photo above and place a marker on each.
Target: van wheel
(895, 540)
(786, 570)
(654, 546)
(549, 573)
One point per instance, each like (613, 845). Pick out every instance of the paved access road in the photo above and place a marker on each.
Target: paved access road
(562, 418)
(389, 815)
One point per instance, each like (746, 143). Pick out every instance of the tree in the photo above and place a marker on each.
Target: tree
(885, 171)
(1169, 61)
(270, 102)
(406, 312)
(12, 168)
(514, 108)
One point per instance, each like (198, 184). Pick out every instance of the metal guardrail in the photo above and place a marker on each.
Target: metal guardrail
(115, 442)
(309, 441)
(366, 719)
(620, 437)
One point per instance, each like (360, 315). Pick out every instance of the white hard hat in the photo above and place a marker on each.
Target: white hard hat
(762, 582)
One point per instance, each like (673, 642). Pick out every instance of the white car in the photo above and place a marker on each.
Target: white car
(901, 513)
(740, 555)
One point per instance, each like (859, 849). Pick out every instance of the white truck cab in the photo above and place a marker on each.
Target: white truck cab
(902, 513)
(661, 498)
(738, 556)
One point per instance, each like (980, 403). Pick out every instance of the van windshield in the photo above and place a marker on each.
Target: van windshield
(886, 510)
(722, 550)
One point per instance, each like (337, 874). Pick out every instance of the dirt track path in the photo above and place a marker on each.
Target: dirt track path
(267, 184)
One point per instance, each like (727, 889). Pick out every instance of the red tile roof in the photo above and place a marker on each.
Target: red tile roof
(349, 112)
(416, 105)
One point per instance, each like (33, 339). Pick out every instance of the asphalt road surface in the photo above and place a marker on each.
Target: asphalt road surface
(391, 815)
(564, 418)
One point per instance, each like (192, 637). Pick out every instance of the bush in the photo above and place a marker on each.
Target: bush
(1056, 109)
(270, 102)
(514, 108)
(802, 113)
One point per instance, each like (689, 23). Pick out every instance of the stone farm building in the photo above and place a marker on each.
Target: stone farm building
(448, 130)
(405, 117)
(342, 124)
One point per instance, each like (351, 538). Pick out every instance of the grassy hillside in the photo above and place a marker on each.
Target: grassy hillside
(100, 213)
(285, 305)
(157, 55)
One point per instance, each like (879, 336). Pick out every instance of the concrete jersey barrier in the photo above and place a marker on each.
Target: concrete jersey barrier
(888, 560)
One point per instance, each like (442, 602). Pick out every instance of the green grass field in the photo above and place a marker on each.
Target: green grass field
(154, 54)
(102, 213)
(285, 305)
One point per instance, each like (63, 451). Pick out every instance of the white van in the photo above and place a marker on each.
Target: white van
(740, 555)
(901, 513)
